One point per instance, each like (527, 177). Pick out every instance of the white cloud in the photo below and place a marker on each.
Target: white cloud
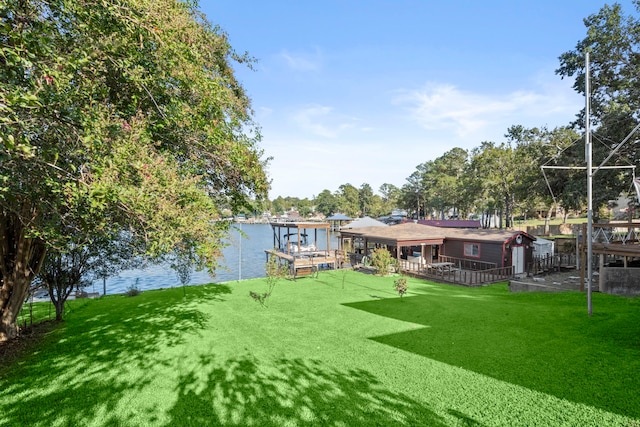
(310, 119)
(302, 62)
(320, 120)
(444, 107)
(264, 112)
(319, 146)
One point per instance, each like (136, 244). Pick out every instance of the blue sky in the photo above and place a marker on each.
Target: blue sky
(364, 91)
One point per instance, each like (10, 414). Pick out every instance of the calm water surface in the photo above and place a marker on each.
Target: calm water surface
(244, 258)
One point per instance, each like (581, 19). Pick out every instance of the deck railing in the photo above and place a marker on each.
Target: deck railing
(490, 275)
(451, 274)
(468, 264)
(450, 270)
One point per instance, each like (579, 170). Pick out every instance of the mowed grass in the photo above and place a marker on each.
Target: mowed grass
(340, 350)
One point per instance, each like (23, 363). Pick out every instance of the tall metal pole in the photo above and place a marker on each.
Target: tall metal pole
(588, 155)
(240, 252)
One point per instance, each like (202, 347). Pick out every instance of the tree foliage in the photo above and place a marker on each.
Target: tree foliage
(613, 43)
(326, 203)
(62, 273)
(117, 116)
(349, 199)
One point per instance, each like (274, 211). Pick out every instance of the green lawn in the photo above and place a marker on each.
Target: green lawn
(324, 354)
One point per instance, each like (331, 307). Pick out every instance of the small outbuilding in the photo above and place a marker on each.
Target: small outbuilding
(543, 248)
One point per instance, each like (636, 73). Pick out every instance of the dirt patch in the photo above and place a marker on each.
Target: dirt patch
(19, 346)
(566, 280)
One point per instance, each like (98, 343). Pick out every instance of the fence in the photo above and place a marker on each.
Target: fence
(549, 263)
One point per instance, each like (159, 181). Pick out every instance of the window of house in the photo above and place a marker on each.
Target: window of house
(472, 250)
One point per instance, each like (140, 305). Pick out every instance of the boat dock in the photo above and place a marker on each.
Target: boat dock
(291, 244)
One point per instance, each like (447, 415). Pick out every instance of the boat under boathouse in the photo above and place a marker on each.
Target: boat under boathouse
(293, 244)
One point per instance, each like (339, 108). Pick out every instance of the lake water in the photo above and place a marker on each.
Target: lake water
(244, 258)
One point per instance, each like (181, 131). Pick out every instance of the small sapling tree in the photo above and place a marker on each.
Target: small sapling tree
(182, 262)
(401, 286)
(275, 271)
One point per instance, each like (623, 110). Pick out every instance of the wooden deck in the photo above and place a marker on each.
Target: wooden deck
(306, 263)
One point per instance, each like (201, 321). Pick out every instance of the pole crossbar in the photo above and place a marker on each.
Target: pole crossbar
(584, 167)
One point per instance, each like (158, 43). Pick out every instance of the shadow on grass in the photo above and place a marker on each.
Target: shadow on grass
(79, 372)
(543, 343)
(241, 391)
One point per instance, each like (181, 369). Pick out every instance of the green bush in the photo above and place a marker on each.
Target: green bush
(381, 260)
(133, 290)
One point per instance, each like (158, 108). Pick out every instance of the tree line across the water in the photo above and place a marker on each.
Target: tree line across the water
(503, 180)
(124, 134)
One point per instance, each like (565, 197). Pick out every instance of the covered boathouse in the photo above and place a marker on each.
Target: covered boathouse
(298, 245)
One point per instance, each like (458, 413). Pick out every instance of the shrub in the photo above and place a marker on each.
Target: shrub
(133, 290)
(401, 286)
(381, 260)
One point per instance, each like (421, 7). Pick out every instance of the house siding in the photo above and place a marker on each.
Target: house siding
(489, 251)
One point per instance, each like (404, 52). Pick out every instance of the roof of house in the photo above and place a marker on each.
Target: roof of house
(339, 217)
(410, 233)
(485, 234)
(299, 224)
(402, 234)
(451, 223)
(363, 222)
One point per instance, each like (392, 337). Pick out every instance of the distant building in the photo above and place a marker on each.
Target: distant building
(451, 223)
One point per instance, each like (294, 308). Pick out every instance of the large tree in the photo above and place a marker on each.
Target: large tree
(365, 198)
(537, 147)
(390, 197)
(494, 166)
(326, 203)
(412, 192)
(116, 117)
(448, 174)
(348, 198)
(613, 40)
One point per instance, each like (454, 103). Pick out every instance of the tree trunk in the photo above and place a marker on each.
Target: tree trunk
(59, 293)
(20, 261)
(59, 304)
(547, 230)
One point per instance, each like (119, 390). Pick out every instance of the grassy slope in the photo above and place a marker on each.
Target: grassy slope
(324, 354)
